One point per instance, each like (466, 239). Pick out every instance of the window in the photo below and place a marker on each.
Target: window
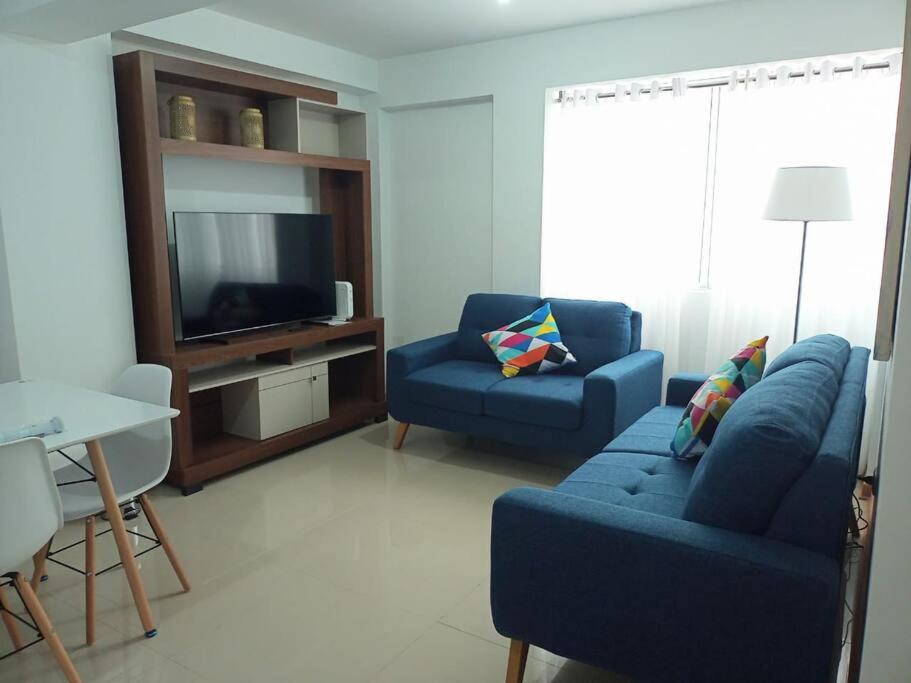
(655, 198)
(658, 203)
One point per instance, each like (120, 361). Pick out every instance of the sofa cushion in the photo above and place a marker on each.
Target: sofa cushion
(651, 433)
(597, 332)
(764, 444)
(530, 345)
(809, 515)
(828, 349)
(485, 312)
(650, 483)
(457, 385)
(714, 398)
(635, 325)
(545, 400)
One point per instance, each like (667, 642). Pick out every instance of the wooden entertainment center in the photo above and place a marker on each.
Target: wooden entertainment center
(353, 352)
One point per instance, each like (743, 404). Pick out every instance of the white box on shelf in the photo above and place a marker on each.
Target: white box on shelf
(344, 301)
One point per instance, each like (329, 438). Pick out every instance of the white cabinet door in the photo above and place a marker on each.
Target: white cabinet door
(285, 407)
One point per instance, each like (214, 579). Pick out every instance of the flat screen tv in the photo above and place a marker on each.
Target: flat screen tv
(243, 271)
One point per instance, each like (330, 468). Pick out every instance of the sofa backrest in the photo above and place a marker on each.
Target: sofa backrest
(635, 330)
(807, 517)
(595, 332)
(485, 312)
(771, 440)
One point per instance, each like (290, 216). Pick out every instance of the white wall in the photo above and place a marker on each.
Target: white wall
(441, 238)
(213, 38)
(65, 304)
(515, 73)
(62, 211)
(886, 655)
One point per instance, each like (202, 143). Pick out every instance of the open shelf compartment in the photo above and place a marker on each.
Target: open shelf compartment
(251, 368)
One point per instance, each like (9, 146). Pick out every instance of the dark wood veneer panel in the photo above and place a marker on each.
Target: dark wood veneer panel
(143, 191)
(217, 114)
(184, 72)
(263, 156)
(202, 450)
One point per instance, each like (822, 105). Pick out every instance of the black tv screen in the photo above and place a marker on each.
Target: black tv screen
(241, 271)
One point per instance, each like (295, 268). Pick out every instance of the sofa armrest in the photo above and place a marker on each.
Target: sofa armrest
(621, 392)
(404, 360)
(421, 354)
(682, 386)
(656, 597)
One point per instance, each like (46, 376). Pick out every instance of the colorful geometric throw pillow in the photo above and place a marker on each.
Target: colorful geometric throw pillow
(715, 397)
(530, 345)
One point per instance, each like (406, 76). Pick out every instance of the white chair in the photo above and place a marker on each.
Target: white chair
(30, 513)
(138, 461)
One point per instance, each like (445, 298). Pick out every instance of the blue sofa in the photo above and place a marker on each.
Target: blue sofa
(454, 382)
(726, 569)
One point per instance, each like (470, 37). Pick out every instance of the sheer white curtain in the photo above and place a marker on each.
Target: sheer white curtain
(622, 212)
(754, 263)
(634, 189)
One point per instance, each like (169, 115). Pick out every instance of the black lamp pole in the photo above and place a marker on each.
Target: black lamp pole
(803, 249)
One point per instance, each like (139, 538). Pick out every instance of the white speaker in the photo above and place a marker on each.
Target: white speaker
(344, 301)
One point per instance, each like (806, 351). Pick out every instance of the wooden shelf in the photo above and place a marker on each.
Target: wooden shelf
(225, 452)
(194, 354)
(239, 371)
(212, 150)
(144, 84)
(185, 72)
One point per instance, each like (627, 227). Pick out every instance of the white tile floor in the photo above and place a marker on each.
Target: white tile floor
(346, 561)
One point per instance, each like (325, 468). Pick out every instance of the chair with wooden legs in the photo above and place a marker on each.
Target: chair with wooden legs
(30, 513)
(138, 461)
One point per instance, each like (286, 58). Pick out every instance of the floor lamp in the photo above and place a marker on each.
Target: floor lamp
(808, 193)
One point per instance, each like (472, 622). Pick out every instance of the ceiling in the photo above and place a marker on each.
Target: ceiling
(67, 21)
(387, 28)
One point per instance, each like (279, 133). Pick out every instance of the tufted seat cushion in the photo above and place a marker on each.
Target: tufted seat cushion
(457, 385)
(651, 483)
(652, 433)
(551, 400)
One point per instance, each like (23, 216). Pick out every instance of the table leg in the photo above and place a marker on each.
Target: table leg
(124, 549)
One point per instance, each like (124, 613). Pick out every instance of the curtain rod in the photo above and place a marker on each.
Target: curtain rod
(726, 80)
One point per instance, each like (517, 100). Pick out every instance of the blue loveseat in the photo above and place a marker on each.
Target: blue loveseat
(726, 569)
(454, 382)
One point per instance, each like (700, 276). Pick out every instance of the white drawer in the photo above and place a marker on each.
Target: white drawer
(320, 369)
(284, 377)
(284, 408)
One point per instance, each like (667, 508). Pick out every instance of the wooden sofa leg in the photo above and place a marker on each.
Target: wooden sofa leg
(518, 654)
(400, 435)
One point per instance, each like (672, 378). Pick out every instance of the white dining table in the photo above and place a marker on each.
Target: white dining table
(88, 416)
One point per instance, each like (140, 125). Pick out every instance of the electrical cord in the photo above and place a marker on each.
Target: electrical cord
(853, 551)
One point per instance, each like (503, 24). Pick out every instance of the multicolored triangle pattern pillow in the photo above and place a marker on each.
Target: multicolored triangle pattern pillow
(713, 399)
(530, 345)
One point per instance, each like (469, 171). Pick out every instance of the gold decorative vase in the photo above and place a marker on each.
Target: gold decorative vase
(251, 128)
(183, 117)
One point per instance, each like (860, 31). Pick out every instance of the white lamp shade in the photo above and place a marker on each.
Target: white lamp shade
(810, 193)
